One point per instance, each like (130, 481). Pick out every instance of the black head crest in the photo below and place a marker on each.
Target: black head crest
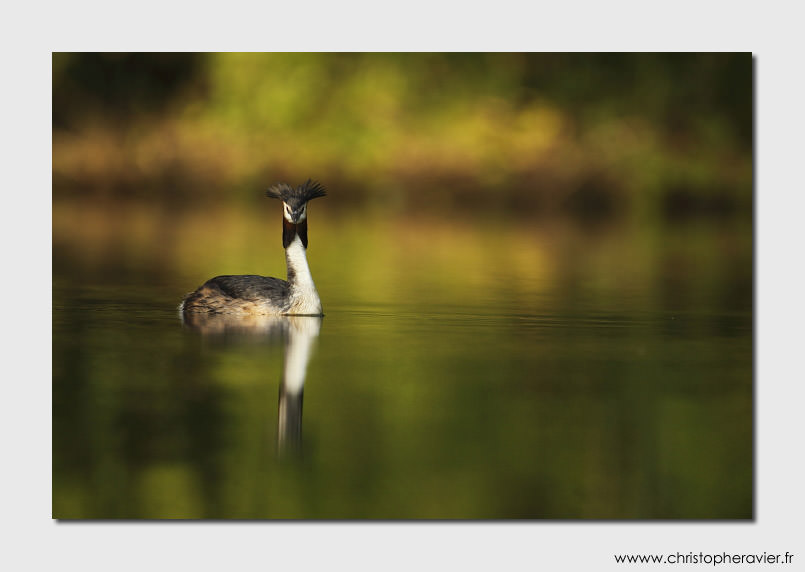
(303, 193)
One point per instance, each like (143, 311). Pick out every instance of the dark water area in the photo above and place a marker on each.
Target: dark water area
(464, 369)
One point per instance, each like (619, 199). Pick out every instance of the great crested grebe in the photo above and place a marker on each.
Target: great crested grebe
(249, 294)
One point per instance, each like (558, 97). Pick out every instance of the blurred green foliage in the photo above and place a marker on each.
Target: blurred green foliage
(591, 132)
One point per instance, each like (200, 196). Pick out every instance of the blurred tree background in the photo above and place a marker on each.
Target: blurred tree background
(588, 134)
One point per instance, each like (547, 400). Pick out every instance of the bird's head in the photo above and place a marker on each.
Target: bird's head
(294, 208)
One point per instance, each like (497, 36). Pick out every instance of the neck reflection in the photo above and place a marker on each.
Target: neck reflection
(302, 334)
(298, 335)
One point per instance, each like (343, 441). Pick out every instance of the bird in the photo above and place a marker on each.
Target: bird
(247, 295)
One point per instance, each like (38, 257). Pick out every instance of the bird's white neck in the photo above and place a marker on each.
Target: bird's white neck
(304, 297)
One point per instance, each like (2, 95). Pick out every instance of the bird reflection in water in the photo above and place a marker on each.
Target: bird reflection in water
(299, 334)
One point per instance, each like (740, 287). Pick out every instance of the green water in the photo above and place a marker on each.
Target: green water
(462, 370)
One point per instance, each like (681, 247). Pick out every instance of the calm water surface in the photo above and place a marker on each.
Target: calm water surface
(593, 377)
